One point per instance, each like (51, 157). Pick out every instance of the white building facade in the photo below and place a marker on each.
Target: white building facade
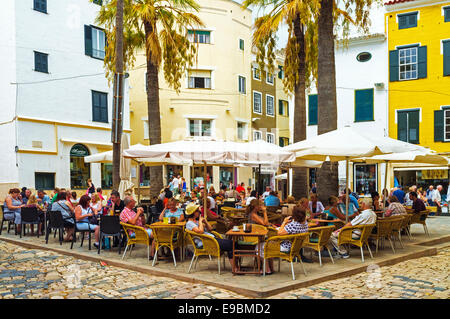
(56, 102)
(362, 101)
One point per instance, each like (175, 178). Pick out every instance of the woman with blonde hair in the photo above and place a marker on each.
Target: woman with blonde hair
(33, 203)
(96, 204)
(252, 213)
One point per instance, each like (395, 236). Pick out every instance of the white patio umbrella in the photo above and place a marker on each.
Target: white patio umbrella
(345, 144)
(422, 157)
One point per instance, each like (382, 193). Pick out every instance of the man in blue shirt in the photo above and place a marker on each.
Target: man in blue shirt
(400, 194)
(352, 198)
(42, 197)
(272, 200)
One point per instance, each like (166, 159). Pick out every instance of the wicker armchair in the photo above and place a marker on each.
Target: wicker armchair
(140, 237)
(345, 237)
(316, 243)
(397, 222)
(383, 231)
(272, 250)
(165, 236)
(272, 232)
(210, 247)
(405, 225)
(420, 218)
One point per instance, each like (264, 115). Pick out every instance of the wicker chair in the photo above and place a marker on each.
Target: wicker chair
(272, 232)
(383, 231)
(140, 237)
(210, 248)
(272, 250)
(345, 237)
(169, 237)
(420, 218)
(317, 243)
(397, 222)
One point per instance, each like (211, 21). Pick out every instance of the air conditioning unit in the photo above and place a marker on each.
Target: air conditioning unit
(379, 86)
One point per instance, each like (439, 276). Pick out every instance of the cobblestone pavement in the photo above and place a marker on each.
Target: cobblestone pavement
(26, 273)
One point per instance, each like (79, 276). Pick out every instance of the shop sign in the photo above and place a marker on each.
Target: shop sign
(435, 174)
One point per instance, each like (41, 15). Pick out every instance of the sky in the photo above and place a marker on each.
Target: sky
(376, 18)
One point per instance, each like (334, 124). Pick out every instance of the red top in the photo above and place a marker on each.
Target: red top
(240, 189)
(210, 211)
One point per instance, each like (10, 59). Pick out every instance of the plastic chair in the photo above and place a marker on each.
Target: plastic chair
(420, 218)
(345, 237)
(323, 236)
(10, 222)
(56, 222)
(110, 226)
(383, 231)
(83, 232)
(210, 248)
(164, 237)
(272, 250)
(140, 237)
(29, 216)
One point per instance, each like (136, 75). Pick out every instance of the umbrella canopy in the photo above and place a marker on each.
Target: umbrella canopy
(281, 176)
(428, 157)
(125, 169)
(345, 143)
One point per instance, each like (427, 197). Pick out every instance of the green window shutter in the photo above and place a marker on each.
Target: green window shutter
(439, 126)
(281, 142)
(280, 72)
(447, 14)
(402, 126)
(363, 105)
(446, 45)
(422, 62)
(241, 44)
(413, 127)
(312, 109)
(393, 66)
(287, 108)
(88, 40)
(280, 107)
(408, 20)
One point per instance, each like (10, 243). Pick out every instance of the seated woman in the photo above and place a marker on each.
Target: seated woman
(196, 223)
(394, 208)
(172, 211)
(352, 210)
(252, 213)
(294, 224)
(304, 204)
(33, 203)
(332, 209)
(62, 205)
(376, 205)
(12, 206)
(96, 204)
(315, 207)
(82, 212)
(286, 209)
(210, 214)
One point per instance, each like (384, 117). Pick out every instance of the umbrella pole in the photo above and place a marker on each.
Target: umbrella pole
(288, 180)
(385, 186)
(259, 180)
(205, 195)
(139, 182)
(346, 189)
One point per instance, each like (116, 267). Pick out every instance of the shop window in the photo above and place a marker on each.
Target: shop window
(365, 179)
(80, 171)
(107, 176)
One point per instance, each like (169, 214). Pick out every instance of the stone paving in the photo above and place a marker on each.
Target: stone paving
(32, 273)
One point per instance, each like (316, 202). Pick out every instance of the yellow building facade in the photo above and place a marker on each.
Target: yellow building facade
(215, 96)
(418, 35)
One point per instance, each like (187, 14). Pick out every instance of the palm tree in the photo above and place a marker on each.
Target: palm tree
(160, 28)
(299, 60)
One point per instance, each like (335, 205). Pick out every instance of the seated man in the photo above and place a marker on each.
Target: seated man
(367, 217)
(272, 200)
(352, 209)
(418, 205)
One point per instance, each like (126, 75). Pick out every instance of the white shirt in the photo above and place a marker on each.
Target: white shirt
(175, 182)
(366, 217)
(213, 202)
(249, 200)
(265, 194)
(436, 196)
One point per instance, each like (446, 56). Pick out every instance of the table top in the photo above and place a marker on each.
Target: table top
(177, 224)
(326, 220)
(255, 232)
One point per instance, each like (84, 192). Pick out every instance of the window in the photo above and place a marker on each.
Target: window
(442, 125)
(270, 105)
(40, 5)
(200, 127)
(408, 126)
(242, 130)
(94, 42)
(447, 125)
(80, 171)
(363, 105)
(256, 74)
(199, 79)
(107, 175)
(44, 180)
(408, 63)
(40, 62)
(280, 72)
(241, 44)
(283, 107)
(197, 36)
(284, 141)
(365, 179)
(257, 101)
(407, 20)
(257, 135)
(99, 107)
(446, 49)
(270, 138)
(364, 57)
(242, 88)
(269, 78)
(312, 109)
(99, 2)
(447, 14)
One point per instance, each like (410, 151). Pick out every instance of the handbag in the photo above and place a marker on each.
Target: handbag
(92, 219)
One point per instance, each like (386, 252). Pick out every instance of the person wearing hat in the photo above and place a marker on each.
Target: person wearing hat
(196, 223)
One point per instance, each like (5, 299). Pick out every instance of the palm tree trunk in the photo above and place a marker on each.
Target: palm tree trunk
(300, 175)
(154, 119)
(327, 175)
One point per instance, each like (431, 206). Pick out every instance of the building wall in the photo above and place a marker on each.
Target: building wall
(283, 125)
(428, 94)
